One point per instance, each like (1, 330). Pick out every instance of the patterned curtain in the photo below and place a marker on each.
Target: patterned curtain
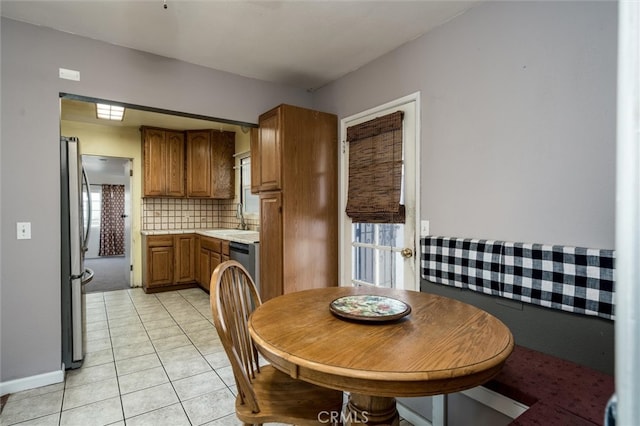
(112, 221)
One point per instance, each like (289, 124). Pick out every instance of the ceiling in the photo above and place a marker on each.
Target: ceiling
(304, 43)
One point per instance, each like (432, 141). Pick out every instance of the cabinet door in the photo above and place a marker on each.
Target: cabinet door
(223, 146)
(269, 141)
(175, 164)
(216, 259)
(160, 265)
(204, 268)
(185, 257)
(155, 158)
(224, 254)
(199, 163)
(270, 245)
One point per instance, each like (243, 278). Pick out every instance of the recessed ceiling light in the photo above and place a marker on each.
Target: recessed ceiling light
(110, 112)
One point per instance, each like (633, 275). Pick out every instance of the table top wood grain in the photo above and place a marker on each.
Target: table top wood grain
(442, 346)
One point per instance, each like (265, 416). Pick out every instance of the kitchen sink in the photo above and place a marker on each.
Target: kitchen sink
(234, 234)
(233, 231)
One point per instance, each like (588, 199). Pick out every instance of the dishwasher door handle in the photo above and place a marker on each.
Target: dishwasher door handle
(239, 247)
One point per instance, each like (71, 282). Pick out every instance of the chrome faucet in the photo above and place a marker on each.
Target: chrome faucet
(240, 215)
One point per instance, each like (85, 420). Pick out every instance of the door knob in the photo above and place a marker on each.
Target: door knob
(406, 253)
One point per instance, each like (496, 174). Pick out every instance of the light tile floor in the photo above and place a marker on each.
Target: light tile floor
(152, 359)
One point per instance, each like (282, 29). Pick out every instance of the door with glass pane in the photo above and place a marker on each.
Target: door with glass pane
(383, 254)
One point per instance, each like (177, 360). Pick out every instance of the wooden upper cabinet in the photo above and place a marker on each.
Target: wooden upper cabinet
(270, 150)
(155, 159)
(175, 164)
(163, 153)
(223, 146)
(210, 164)
(199, 163)
(192, 163)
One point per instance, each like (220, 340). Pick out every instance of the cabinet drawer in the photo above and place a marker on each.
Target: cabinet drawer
(225, 248)
(209, 243)
(159, 241)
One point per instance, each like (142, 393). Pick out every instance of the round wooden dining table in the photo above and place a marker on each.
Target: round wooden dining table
(441, 346)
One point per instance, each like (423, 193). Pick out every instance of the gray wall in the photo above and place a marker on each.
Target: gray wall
(518, 120)
(31, 56)
(517, 141)
(586, 340)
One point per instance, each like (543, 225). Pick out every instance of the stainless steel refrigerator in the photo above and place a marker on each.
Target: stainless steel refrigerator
(75, 214)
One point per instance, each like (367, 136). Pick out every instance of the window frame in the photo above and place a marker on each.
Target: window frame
(244, 171)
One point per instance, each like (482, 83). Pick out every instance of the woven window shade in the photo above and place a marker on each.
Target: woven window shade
(375, 170)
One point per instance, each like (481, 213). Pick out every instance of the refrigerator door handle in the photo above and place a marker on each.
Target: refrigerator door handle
(87, 276)
(85, 241)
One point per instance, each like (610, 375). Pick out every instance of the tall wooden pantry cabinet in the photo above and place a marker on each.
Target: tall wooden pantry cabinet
(295, 162)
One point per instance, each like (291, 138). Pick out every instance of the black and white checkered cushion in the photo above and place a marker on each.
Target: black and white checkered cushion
(465, 263)
(574, 279)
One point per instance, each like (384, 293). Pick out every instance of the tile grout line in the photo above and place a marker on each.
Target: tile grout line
(119, 306)
(155, 350)
(64, 387)
(194, 345)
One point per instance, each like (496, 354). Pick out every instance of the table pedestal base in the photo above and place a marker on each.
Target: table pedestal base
(372, 410)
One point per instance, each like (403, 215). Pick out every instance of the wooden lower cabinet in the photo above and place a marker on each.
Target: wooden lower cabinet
(178, 261)
(204, 268)
(212, 253)
(225, 251)
(160, 263)
(185, 258)
(169, 262)
(271, 254)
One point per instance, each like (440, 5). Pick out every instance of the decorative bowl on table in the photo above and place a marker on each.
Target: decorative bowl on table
(369, 307)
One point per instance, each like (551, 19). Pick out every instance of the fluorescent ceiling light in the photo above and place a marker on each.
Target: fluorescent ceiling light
(110, 112)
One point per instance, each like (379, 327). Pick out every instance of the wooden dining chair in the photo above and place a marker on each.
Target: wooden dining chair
(265, 394)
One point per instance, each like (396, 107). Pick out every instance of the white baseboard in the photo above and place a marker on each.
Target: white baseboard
(411, 416)
(498, 402)
(31, 382)
(480, 394)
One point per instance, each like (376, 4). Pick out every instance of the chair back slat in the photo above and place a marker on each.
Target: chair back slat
(233, 298)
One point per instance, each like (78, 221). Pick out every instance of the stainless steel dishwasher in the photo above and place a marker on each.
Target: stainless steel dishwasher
(248, 254)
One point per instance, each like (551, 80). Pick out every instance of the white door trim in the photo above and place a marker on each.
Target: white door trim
(344, 176)
(627, 329)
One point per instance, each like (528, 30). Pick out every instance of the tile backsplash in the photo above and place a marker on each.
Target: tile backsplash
(190, 213)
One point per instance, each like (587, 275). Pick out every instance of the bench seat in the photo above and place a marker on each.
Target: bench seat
(558, 392)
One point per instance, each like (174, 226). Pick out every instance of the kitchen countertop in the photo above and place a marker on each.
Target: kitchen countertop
(237, 235)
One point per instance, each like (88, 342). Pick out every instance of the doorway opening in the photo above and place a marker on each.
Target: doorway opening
(109, 243)
(384, 254)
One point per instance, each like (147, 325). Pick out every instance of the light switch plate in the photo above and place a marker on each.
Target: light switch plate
(69, 74)
(24, 230)
(424, 228)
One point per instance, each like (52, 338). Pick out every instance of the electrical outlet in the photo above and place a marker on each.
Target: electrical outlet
(424, 228)
(24, 230)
